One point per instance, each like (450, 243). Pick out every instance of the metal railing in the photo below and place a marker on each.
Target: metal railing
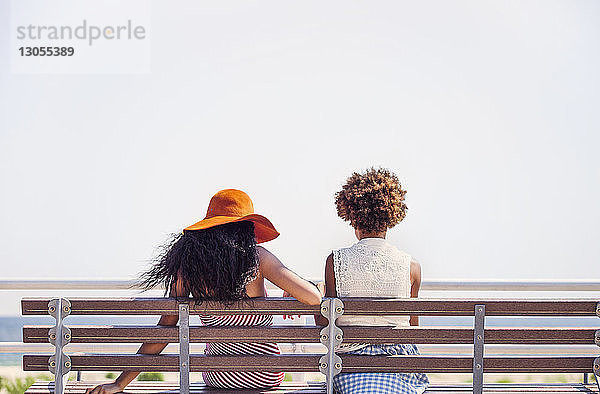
(429, 285)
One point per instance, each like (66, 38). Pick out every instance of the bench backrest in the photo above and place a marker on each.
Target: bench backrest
(331, 363)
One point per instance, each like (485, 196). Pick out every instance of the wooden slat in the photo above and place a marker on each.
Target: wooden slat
(315, 388)
(157, 334)
(353, 306)
(309, 363)
(540, 336)
(427, 307)
(173, 387)
(506, 388)
(168, 306)
(170, 363)
(310, 334)
(460, 335)
(434, 364)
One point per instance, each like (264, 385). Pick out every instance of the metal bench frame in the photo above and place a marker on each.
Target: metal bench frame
(331, 335)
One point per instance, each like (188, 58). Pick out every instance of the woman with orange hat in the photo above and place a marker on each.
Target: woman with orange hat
(218, 259)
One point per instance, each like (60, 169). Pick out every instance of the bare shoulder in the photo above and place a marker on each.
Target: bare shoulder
(264, 253)
(267, 260)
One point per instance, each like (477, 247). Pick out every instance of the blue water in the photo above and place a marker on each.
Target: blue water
(11, 328)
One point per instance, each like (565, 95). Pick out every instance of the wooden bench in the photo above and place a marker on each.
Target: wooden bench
(329, 364)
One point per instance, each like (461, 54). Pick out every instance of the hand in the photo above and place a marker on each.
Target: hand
(107, 388)
(291, 317)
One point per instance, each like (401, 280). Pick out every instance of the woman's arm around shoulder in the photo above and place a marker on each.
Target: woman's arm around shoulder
(273, 269)
(415, 286)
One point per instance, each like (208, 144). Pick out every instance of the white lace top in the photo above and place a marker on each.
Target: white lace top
(372, 268)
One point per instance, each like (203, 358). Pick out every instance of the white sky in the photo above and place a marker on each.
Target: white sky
(487, 111)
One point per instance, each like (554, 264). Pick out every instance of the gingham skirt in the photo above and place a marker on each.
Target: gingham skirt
(392, 383)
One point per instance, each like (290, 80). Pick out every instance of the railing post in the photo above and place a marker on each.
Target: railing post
(478, 348)
(330, 364)
(59, 336)
(184, 348)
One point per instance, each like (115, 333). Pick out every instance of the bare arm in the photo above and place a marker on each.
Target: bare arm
(273, 269)
(147, 348)
(415, 286)
(329, 287)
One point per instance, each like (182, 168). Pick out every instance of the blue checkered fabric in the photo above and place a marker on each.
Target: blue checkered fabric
(392, 383)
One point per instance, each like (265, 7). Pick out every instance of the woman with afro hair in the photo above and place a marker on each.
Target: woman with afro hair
(373, 202)
(218, 259)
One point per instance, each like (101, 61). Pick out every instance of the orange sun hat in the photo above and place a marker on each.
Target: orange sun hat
(231, 205)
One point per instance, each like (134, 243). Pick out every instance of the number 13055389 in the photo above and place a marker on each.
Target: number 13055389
(47, 51)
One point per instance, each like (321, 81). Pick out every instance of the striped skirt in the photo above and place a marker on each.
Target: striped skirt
(240, 379)
(390, 383)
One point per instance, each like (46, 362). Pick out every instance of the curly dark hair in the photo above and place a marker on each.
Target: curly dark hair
(372, 201)
(215, 264)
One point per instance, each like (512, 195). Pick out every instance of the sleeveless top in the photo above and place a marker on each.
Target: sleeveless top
(371, 268)
(241, 379)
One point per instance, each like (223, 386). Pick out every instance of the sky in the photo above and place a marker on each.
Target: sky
(487, 111)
